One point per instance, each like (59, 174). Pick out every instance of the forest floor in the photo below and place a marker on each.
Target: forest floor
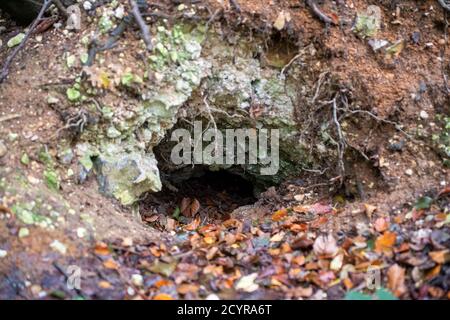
(383, 234)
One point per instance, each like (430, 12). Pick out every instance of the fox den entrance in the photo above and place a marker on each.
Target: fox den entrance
(210, 195)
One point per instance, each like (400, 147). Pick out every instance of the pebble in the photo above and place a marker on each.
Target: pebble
(3, 150)
(87, 5)
(423, 114)
(137, 280)
(3, 253)
(58, 246)
(409, 172)
(81, 232)
(24, 232)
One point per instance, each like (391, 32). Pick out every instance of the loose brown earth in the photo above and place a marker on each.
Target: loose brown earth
(279, 237)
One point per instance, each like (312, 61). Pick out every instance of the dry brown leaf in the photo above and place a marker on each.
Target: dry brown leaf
(187, 288)
(442, 256)
(381, 225)
(189, 207)
(369, 209)
(325, 246)
(396, 280)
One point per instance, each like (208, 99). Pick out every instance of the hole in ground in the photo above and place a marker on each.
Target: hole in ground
(219, 193)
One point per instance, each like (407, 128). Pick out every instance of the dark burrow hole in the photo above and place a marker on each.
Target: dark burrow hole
(218, 193)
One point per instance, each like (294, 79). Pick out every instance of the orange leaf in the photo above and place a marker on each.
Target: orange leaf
(279, 215)
(101, 249)
(111, 264)
(162, 296)
(385, 242)
(104, 284)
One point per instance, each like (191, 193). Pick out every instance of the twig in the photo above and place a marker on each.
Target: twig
(142, 25)
(9, 117)
(9, 60)
(61, 8)
(395, 124)
(316, 10)
(289, 64)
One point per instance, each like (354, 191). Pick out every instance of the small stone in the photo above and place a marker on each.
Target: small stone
(3, 253)
(423, 114)
(442, 42)
(299, 197)
(87, 5)
(119, 12)
(3, 150)
(131, 291)
(137, 280)
(58, 246)
(24, 232)
(12, 136)
(81, 232)
(409, 172)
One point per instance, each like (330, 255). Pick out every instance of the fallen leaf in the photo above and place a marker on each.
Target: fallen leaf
(277, 237)
(104, 284)
(381, 225)
(111, 264)
(163, 296)
(370, 209)
(189, 207)
(325, 246)
(385, 242)
(433, 272)
(279, 215)
(336, 263)
(101, 249)
(163, 268)
(247, 283)
(396, 280)
(442, 256)
(187, 288)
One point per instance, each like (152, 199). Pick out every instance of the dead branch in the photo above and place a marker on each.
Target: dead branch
(318, 13)
(9, 60)
(9, 117)
(142, 25)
